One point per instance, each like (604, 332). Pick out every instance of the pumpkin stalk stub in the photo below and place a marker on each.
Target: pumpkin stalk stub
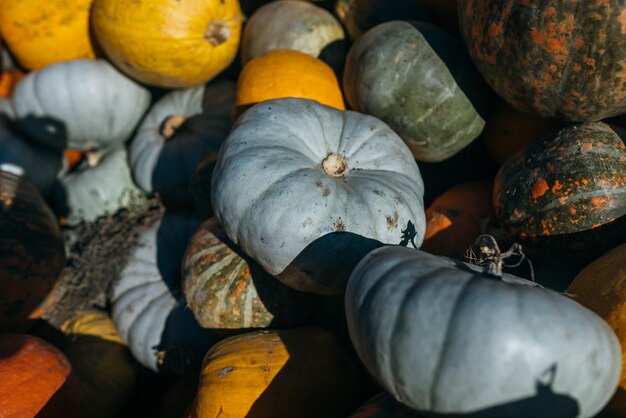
(217, 32)
(492, 258)
(171, 124)
(334, 165)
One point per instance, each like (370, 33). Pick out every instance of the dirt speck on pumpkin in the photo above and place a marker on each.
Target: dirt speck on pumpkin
(339, 225)
(225, 371)
(392, 221)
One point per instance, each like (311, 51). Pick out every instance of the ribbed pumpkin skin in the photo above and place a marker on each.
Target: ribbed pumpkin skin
(303, 373)
(32, 253)
(286, 73)
(384, 406)
(454, 220)
(432, 330)
(79, 104)
(565, 186)
(104, 366)
(36, 379)
(398, 73)
(287, 24)
(600, 287)
(554, 58)
(169, 43)
(165, 162)
(43, 32)
(227, 290)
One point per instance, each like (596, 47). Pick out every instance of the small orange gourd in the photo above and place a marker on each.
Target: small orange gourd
(169, 43)
(287, 73)
(43, 32)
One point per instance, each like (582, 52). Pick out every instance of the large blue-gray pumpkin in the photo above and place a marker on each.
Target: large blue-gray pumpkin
(178, 132)
(307, 190)
(444, 337)
(147, 304)
(79, 104)
(420, 80)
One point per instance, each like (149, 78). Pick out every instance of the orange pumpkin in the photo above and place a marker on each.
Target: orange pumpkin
(601, 287)
(169, 43)
(287, 73)
(508, 130)
(9, 80)
(454, 220)
(296, 373)
(73, 158)
(42, 32)
(36, 379)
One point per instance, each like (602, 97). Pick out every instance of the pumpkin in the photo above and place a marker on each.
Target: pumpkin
(419, 80)
(384, 406)
(306, 190)
(80, 104)
(104, 366)
(6, 108)
(296, 25)
(36, 379)
(285, 73)
(90, 192)
(456, 218)
(201, 184)
(44, 32)
(180, 129)
(508, 131)
(9, 79)
(147, 304)
(599, 287)
(359, 16)
(548, 57)
(226, 290)
(293, 373)
(169, 44)
(566, 192)
(446, 337)
(37, 164)
(32, 253)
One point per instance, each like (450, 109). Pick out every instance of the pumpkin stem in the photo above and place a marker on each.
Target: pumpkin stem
(492, 258)
(335, 165)
(217, 32)
(171, 124)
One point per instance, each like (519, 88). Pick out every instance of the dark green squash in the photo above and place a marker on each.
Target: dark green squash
(420, 81)
(566, 192)
(554, 58)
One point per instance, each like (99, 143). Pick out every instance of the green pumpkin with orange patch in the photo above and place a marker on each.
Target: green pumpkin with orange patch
(566, 191)
(553, 58)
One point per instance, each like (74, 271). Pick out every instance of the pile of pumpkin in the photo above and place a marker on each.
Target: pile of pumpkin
(285, 278)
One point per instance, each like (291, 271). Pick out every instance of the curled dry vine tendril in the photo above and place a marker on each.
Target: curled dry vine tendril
(491, 258)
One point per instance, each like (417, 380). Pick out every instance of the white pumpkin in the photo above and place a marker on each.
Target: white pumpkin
(443, 337)
(164, 154)
(79, 104)
(6, 107)
(296, 175)
(147, 305)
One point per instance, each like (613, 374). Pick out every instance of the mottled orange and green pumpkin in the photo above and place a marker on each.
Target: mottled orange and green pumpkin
(32, 253)
(227, 290)
(551, 57)
(567, 190)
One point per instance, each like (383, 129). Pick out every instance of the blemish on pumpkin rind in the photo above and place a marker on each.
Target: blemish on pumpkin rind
(539, 188)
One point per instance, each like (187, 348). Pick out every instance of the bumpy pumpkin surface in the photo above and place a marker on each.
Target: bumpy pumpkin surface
(178, 132)
(443, 337)
(294, 373)
(456, 218)
(79, 104)
(286, 73)
(32, 254)
(570, 187)
(169, 43)
(287, 24)
(147, 304)
(554, 58)
(306, 190)
(105, 368)
(420, 81)
(43, 32)
(227, 290)
(36, 379)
